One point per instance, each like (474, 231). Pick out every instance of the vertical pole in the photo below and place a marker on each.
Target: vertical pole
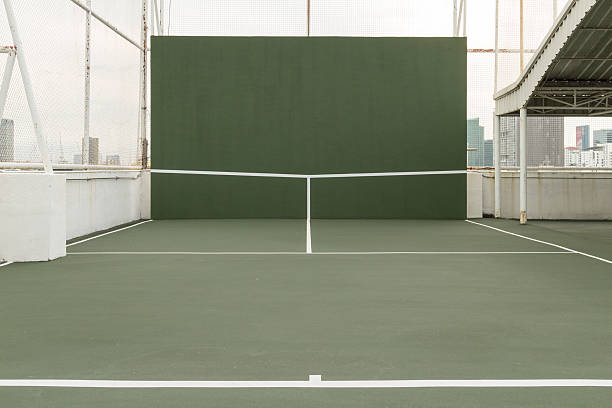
(85, 142)
(6, 81)
(152, 15)
(155, 18)
(465, 18)
(496, 162)
(555, 10)
(454, 18)
(142, 127)
(161, 17)
(308, 16)
(461, 15)
(523, 179)
(27, 84)
(308, 234)
(522, 37)
(496, 46)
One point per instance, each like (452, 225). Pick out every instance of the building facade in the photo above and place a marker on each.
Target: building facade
(572, 157)
(602, 136)
(475, 143)
(583, 137)
(545, 141)
(488, 153)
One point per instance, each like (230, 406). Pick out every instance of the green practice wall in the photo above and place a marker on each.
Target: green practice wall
(308, 106)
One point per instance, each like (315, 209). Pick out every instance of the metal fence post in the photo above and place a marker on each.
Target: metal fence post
(142, 131)
(85, 143)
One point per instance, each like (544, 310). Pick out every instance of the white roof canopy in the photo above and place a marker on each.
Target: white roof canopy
(571, 72)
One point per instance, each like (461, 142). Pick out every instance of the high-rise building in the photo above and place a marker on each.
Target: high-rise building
(94, 151)
(607, 153)
(592, 157)
(475, 140)
(602, 136)
(113, 160)
(583, 137)
(545, 141)
(488, 153)
(572, 157)
(77, 159)
(7, 140)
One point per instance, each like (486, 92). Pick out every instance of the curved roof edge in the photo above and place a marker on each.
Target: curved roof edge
(511, 99)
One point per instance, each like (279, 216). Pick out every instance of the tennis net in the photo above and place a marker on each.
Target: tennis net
(364, 196)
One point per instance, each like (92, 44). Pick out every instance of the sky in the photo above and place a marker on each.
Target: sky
(53, 33)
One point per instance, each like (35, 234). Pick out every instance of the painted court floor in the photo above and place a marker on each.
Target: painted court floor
(387, 312)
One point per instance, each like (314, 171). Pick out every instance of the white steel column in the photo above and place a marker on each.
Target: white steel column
(6, 81)
(85, 142)
(27, 84)
(142, 124)
(523, 163)
(496, 162)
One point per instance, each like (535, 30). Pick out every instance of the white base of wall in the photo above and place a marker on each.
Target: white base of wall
(98, 200)
(32, 216)
(474, 195)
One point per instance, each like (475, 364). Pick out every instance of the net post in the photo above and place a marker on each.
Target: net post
(308, 234)
(523, 163)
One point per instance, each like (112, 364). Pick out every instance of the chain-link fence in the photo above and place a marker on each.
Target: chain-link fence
(54, 42)
(53, 36)
(550, 138)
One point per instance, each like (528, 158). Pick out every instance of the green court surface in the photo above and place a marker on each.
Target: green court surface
(240, 300)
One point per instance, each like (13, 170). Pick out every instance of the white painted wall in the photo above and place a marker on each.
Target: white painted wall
(98, 200)
(552, 194)
(474, 195)
(32, 216)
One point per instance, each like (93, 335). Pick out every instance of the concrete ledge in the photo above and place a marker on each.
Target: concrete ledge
(32, 216)
(552, 194)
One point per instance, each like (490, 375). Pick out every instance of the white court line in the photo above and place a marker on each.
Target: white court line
(314, 381)
(107, 233)
(324, 253)
(542, 242)
(6, 263)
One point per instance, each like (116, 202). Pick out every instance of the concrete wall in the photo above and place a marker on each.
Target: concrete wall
(32, 216)
(474, 195)
(98, 200)
(554, 194)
